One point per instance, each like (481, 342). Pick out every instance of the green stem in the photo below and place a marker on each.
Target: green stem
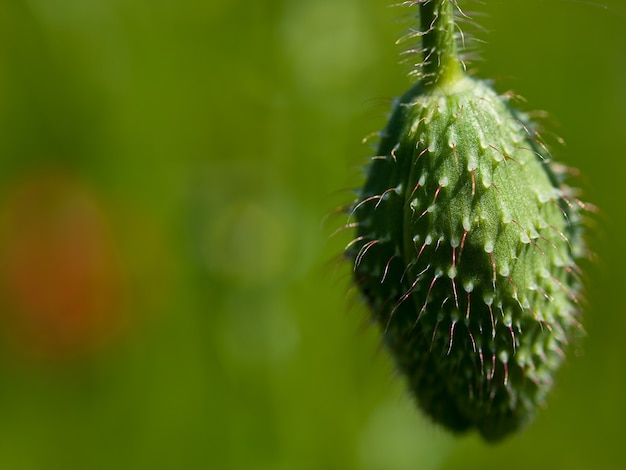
(441, 60)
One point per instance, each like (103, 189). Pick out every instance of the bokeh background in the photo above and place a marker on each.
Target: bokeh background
(170, 294)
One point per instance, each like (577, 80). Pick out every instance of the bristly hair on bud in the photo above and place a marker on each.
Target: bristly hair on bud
(467, 242)
(418, 56)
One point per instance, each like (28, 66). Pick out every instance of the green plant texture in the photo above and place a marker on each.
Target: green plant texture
(466, 245)
(171, 296)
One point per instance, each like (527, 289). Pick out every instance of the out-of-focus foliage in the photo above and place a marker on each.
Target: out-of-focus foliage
(169, 293)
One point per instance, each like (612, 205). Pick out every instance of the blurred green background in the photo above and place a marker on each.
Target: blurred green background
(169, 294)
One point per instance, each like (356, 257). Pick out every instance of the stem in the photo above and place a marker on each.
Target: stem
(441, 61)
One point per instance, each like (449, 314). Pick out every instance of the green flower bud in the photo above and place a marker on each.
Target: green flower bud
(466, 246)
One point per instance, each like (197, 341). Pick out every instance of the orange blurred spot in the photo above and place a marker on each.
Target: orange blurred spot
(59, 270)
